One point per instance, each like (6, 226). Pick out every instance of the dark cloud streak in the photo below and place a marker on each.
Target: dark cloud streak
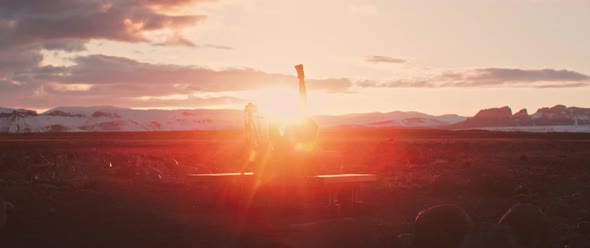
(491, 77)
(215, 46)
(384, 59)
(117, 78)
(29, 26)
(34, 21)
(101, 69)
(564, 85)
(514, 77)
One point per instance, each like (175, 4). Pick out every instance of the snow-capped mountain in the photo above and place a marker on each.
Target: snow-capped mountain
(391, 119)
(108, 118)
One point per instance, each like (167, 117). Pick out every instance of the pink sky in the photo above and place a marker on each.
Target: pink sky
(431, 56)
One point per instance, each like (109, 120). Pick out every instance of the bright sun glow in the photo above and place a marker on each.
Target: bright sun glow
(277, 104)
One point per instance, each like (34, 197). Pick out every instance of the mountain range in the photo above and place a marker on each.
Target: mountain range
(108, 118)
(555, 116)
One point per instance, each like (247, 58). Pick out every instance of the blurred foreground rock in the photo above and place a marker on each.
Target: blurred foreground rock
(449, 226)
(527, 222)
(441, 226)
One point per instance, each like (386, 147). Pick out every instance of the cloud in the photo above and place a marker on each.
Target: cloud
(384, 59)
(189, 102)
(125, 20)
(514, 77)
(332, 85)
(563, 85)
(363, 10)
(519, 75)
(67, 45)
(394, 84)
(490, 77)
(49, 100)
(176, 40)
(215, 46)
(123, 74)
(18, 59)
(127, 82)
(29, 26)
(124, 81)
(104, 70)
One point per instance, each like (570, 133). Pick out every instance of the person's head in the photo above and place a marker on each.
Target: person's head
(250, 108)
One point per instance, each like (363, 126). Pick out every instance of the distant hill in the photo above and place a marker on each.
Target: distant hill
(391, 119)
(109, 118)
(557, 118)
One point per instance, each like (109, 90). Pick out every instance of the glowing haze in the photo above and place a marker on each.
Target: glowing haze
(432, 56)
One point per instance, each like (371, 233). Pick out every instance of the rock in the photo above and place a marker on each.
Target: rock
(522, 117)
(489, 118)
(441, 226)
(484, 235)
(561, 115)
(527, 222)
(495, 113)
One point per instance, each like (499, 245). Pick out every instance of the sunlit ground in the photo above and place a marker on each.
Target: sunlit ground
(121, 190)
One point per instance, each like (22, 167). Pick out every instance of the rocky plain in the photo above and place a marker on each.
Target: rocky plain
(126, 189)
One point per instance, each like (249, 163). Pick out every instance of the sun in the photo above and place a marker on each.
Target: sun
(279, 105)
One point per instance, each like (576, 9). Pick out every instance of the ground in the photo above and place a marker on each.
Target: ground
(127, 189)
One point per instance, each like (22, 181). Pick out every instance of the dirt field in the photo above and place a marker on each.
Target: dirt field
(126, 189)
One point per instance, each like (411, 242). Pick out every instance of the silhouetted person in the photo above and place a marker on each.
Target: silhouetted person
(252, 136)
(250, 124)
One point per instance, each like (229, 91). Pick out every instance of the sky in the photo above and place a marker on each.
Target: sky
(431, 56)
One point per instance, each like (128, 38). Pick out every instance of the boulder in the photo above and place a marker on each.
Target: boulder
(527, 222)
(441, 226)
